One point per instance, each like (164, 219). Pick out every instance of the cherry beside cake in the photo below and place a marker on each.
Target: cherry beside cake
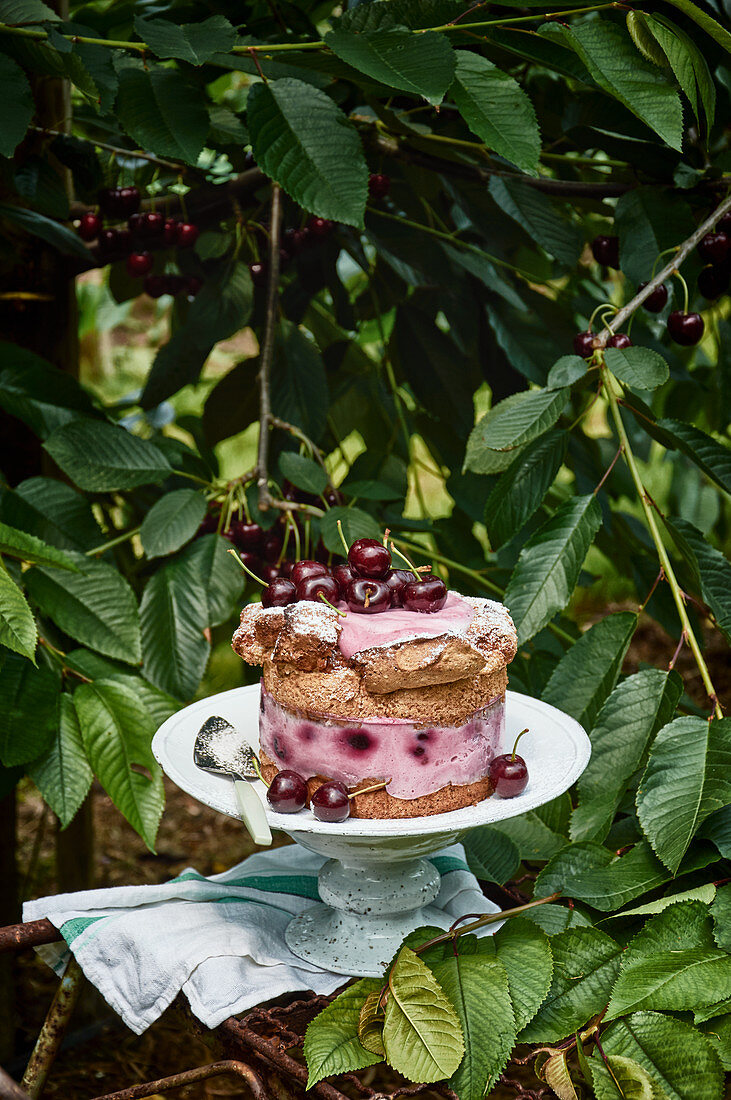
(379, 678)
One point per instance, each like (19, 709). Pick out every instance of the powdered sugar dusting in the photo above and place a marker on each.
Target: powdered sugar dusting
(308, 617)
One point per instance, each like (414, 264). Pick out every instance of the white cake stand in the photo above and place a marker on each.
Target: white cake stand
(376, 886)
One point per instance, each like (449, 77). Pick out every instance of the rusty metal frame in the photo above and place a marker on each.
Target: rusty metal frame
(267, 1037)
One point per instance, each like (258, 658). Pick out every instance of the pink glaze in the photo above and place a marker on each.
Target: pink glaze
(361, 632)
(418, 760)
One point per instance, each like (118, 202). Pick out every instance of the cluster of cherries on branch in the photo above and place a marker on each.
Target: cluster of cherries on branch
(123, 232)
(685, 328)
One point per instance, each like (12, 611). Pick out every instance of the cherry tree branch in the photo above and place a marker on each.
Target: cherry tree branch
(682, 253)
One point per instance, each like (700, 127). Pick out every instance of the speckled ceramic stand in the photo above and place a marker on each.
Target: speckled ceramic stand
(376, 886)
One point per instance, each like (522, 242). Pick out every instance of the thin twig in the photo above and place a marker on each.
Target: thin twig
(608, 471)
(267, 351)
(681, 643)
(488, 918)
(136, 154)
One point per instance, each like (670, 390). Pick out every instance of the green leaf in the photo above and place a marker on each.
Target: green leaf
(157, 703)
(220, 309)
(63, 774)
(710, 26)
(688, 776)
(534, 839)
(548, 568)
(721, 913)
(631, 716)
(520, 491)
(28, 548)
(477, 987)
(540, 218)
(16, 105)
(524, 950)
(496, 108)
(587, 673)
(370, 1023)
(554, 919)
(28, 710)
(673, 980)
(595, 875)
(585, 964)
(610, 56)
(565, 371)
(491, 855)
(421, 64)
(173, 615)
(712, 457)
(102, 457)
(680, 1060)
(163, 112)
(648, 220)
(117, 733)
(634, 1080)
(46, 229)
(17, 626)
(511, 423)
(356, 524)
(705, 893)
(421, 1033)
(331, 1042)
(299, 384)
(39, 394)
(192, 42)
(171, 522)
(21, 12)
(221, 578)
(52, 511)
(711, 569)
(96, 606)
(718, 1032)
(303, 472)
(640, 367)
(304, 142)
(687, 63)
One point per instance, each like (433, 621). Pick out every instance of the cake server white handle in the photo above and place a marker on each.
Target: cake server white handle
(252, 812)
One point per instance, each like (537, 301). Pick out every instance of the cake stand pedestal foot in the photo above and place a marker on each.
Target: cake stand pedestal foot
(368, 911)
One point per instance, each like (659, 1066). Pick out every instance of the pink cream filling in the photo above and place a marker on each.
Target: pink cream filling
(418, 760)
(361, 632)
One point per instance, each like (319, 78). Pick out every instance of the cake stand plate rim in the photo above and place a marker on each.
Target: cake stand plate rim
(562, 738)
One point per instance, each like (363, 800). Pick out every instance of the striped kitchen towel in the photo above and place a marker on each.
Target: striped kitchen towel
(220, 939)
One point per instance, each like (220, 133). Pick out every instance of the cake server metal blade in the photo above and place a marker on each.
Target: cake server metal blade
(220, 749)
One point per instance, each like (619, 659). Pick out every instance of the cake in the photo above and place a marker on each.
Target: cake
(413, 698)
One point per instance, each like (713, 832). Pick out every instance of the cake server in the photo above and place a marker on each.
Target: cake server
(219, 749)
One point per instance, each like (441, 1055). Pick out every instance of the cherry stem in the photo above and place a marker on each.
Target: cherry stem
(517, 739)
(367, 790)
(685, 290)
(246, 568)
(257, 768)
(412, 567)
(342, 538)
(602, 305)
(488, 918)
(323, 597)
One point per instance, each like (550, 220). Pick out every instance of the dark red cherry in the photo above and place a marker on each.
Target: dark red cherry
(285, 568)
(139, 264)
(247, 536)
(724, 223)
(187, 234)
(267, 571)
(427, 595)
(287, 792)
(295, 240)
(170, 231)
(272, 546)
(713, 248)
(301, 570)
(129, 200)
(320, 227)
(606, 251)
(209, 523)
(193, 283)
(258, 274)
(134, 224)
(685, 328)
(713, 281)
(508, 775)
(396, 579)
(378, 186)
(343, 574)
(332, 497)
(656, 301)
(278, 593)
(619, 340)
(369, 558)
(90, 226)
(311, 588)
(330, 802)
(152, 224)
(584, 344)
(156, 285)
(109, 201)
(368, 596)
